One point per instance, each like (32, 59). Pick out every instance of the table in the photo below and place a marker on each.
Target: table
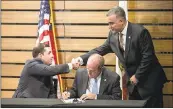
(38, 102)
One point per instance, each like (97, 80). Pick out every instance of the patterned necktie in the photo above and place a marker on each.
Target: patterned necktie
(121, 41)
(95, 88)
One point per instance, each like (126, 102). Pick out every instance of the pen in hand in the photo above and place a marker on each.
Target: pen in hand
(66, 94)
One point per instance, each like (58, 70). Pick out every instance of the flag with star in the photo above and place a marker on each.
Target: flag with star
(46, 35)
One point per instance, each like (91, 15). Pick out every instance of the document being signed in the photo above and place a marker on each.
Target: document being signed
(73, 100)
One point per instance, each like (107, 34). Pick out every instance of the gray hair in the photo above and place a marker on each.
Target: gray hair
(119, 11)
(99, 58)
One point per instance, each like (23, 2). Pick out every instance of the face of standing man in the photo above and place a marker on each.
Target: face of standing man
(116, 23)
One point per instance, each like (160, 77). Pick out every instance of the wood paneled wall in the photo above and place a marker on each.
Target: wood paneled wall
(81, 26)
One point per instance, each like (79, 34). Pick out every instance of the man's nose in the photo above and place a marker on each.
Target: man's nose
(52, 55)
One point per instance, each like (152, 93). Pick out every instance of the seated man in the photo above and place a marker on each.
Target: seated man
(95, 82)
(36, 77)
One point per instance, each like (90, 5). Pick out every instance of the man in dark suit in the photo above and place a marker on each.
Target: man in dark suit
(36, 77)
(107, 83)
(136, 54)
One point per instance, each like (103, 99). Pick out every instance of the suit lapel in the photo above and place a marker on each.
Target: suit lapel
(128, 40)
(85, 82)
(118, 53)
(103, 82)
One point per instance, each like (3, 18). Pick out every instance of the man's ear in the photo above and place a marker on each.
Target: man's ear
(40, 55)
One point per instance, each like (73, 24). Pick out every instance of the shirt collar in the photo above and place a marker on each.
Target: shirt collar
(99, 76)
(124, 32)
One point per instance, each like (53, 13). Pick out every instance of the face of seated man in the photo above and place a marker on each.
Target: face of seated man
(93, 66)
(46, 56)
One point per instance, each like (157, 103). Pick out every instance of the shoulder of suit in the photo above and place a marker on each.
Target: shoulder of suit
(81, 70)
(138, 27)
(32, 62)
(110, 73)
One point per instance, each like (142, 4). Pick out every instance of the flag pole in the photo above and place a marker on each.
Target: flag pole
(55, 42)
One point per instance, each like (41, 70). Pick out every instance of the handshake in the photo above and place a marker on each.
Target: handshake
(76, 62)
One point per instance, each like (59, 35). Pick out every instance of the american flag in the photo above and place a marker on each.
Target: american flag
(46, 36)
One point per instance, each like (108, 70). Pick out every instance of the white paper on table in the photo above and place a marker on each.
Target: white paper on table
(71, 100)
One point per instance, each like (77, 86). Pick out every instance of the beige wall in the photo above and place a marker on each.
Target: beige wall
(78, 22)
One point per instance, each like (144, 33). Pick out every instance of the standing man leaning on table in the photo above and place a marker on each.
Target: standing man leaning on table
(36, 77)
(133, 46)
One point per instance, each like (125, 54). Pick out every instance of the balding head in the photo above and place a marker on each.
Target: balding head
(94, 65)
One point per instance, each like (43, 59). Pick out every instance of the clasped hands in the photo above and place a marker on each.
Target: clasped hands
(75, 63)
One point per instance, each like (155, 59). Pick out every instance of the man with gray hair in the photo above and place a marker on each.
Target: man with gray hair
(134, 48)
(95, 82)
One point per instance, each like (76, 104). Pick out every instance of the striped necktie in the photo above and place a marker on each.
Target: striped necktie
(121, 43)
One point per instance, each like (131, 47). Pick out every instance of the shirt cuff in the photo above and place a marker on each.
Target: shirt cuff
(96, 97)
(70, 66)
(136, 79)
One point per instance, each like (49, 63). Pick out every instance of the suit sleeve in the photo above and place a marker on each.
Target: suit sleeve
(45, 70)
(147, 54)
(115, 94)
(52, 89)
(73, 90)
(102, 50)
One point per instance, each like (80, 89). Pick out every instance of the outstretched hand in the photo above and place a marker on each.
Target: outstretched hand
(75, 64)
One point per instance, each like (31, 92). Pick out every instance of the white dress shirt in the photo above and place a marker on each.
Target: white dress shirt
(90, 83)
(124, 32)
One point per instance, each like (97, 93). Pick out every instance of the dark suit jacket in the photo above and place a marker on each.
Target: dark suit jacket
(140, 58)
(36, 80)
(109, 86)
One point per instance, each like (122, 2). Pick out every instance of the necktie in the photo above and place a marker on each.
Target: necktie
(95, 88)
(121, 43)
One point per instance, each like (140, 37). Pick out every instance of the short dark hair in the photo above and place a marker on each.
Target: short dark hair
(38, 49)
